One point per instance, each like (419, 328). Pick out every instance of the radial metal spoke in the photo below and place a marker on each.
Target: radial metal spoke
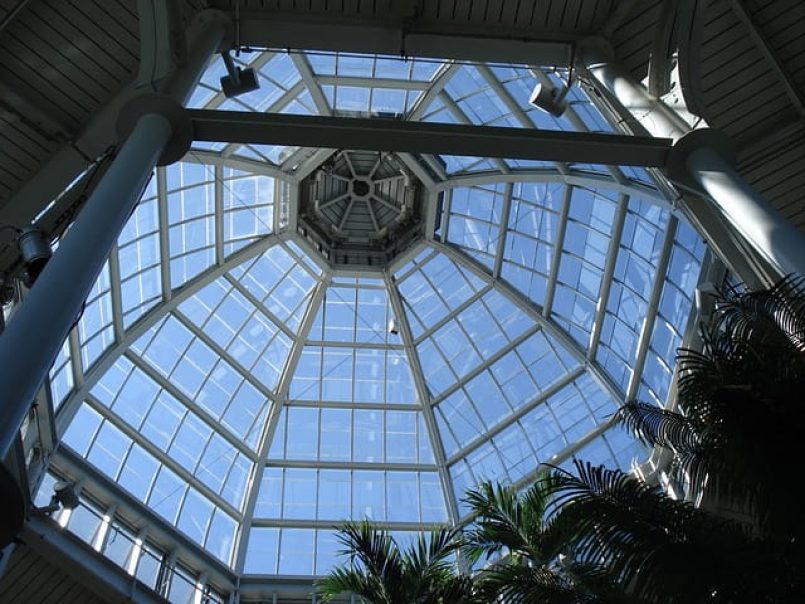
(424, 396)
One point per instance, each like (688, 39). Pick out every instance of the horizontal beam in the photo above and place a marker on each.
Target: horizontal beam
(399, 36)
(423, 137)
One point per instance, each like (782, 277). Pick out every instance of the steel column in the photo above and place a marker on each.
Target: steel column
(32, 340)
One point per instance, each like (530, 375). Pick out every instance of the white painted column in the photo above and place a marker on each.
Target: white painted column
(752, 237)
(33, 338)
(776, 239)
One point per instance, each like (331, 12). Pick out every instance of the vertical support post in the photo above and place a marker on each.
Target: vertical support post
(32, 340)
(757, 242)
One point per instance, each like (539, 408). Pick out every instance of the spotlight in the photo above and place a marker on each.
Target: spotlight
(64, 496)
(238, 81)
(392, 327)
(549, 98)
(64, 493)
(35, 252)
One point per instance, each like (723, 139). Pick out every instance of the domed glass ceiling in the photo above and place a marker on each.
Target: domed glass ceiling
(253, 390)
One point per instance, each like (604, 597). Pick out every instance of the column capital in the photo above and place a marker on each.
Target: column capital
(163, 105)
(697, 140)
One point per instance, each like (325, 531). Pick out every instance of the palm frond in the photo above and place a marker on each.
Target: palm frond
(643, 538)
(521, 584)
(343, 580)
(375, 551)
(773, 317)
(655, 426)
(506, 520)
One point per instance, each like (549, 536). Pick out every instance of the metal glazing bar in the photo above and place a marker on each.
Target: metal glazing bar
(606, 277)
(256, 478)
(520, 413)
(146, 322)
(424, 396)
(503, 230)
(535, 312)
(652, 308)
(550, 289)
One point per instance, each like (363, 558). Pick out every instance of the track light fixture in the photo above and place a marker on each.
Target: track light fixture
(238, 81)
(549, 98)
(34, 252)
(64, 497)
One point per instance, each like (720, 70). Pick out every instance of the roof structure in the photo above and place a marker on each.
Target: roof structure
(284, 338)
(272, 348)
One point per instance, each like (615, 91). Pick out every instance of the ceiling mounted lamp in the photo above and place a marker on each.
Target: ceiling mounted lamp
(237, 81)
(64, 497)
(34, 252)
(550, 99)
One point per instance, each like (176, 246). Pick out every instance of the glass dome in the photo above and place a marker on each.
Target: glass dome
(264, 356)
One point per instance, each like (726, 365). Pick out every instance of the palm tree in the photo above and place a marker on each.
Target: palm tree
(656, 548)
(736, 431)
(532, 567)
(381, 573)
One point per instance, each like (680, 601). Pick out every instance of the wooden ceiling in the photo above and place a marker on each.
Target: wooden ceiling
(61, 60)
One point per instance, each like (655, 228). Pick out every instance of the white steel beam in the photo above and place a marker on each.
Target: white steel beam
(164, 232)
(246, 164)
(443, 75)
(212, 422)
(520, 413)
(550, 290)
(221, 352)
(535, 312)
(303, 67)
(256, 478)
(352, 465)
(401, 37)
(163, 458)
(218, 201)
(647, 329)
(567, 452)
(367, 82)
(503, 231)
(463, 118)
(410, 162)
(153, 316)
(328, 525)
(311, 163)
(352, 405)
(259, 305)
(606, 278)
(486, 364)
(453, 312)
(76, 365)
(425, 137)
(593, 181)
(115, 294)
(448, 202)
(424, 396)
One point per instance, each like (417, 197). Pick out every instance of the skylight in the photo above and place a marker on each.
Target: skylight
(252, 391)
